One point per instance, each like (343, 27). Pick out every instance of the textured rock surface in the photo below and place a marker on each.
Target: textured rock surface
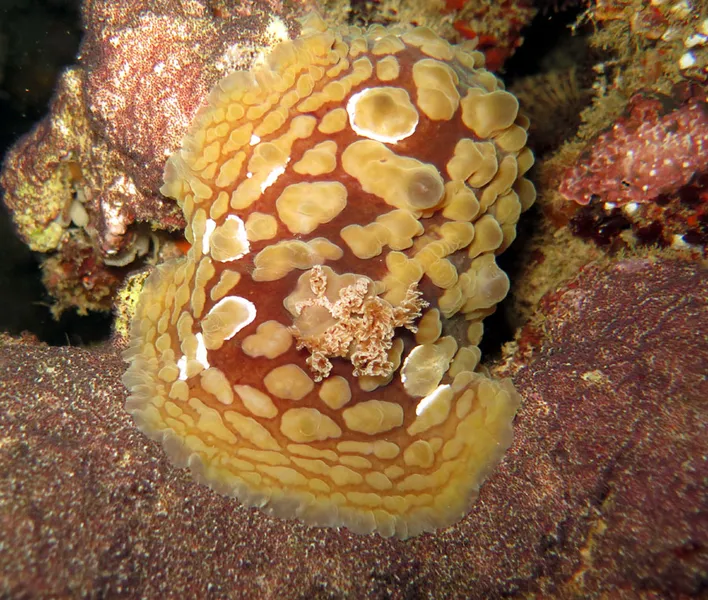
(91, 169)
(603, 490)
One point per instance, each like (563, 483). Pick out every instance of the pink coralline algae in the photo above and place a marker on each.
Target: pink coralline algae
(655, 149)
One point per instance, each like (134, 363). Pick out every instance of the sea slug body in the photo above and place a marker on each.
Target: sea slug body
(315, 353)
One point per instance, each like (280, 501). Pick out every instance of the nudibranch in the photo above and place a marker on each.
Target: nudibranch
(315, 353)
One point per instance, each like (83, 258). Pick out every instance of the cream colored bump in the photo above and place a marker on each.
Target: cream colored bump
(396, 229)
(230, 170)
(268, 155)
(227, 281)
(312, 23)
(344, 476)
(356, 462)
(367, 241)
(200, 189)
(228, 241)
(362, 69)
(285, 476)
(373, 417)
(368, 383)
(215, 382)
(276, 261)
(487, 113)
(425, 366)
(453, 298)
(442, 273)
(319, 160)
(334, 121)
(387, 44)
(357, 46)
(488, 236)
(181, 298)
(337, 69)
(403, 272)
(239, 138)
(250, 189)
(464, 160)
(507, 210)
(219, 207)
(368, 500)
(429, 327)
(432, 410)
(378, 481)
(305, 206)
(400, 181)
(466, 359)
(172, 409)
(185, 324)
(500, 183)
(353, 447)
(310, 452)
(235, 112)
(419, 454)
(335, 392)
(429, 42)
(210, 421)
(394, 472)
(179, 390)
(164, 321)
(314, 466)
(268, 457)
(288, 382)
(402, 226)
(487, 80)
(492, 284)
(226, 318)
(526, 192)
(256, 402)
(475, 331)
(168, 373)
(270, 340)
(254, 432)
(273, 121)
(385, 114)
(469, 57)
(460, 203)
(261, 226)
(204, 273)
(306, 425)
(436, 84)
(511, 139)
(316, 101)
(198, 228)
(319, 486)
(525, 160)
(485, 164)
(388, 68)
(188, 210)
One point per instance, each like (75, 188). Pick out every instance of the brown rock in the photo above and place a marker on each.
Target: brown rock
(603, 491)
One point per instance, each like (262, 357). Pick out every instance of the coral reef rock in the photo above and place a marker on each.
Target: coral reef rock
(95, 162)
(603, 491)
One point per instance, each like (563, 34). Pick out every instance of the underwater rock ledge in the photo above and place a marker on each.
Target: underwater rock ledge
(588, 500)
